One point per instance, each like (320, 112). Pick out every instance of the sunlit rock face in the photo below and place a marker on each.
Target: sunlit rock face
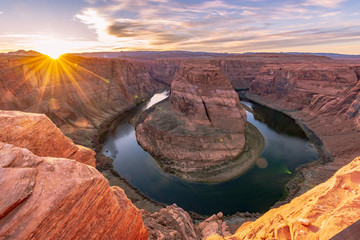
(45, 195)
(202, 125)
(320, 213)
(78, 94)
(38, 134)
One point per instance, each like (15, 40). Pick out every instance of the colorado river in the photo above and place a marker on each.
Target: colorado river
(286, 147)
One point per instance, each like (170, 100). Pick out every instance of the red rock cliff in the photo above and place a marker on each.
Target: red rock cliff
(57, 198)
(202, 125)
(37, 133)
(78, 94)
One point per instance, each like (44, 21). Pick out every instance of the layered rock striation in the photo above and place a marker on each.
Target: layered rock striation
(38, 134)
(324, 98)
(201, 126)
(45, 197)
(78, 94)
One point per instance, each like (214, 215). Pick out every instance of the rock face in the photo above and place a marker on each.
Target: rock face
(37, 133)
(318, 214)
(300, 84)
(323, 97)
(78, 94)
(213, 226)
(171, 222)
(202, 125)
(56, 198)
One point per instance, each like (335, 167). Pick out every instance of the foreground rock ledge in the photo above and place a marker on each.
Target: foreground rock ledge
(40, 135)
(45, 197)
(202, 125)
(320, 213)
(57, 198)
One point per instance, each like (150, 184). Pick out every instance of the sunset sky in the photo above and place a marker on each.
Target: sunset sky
(214, 26)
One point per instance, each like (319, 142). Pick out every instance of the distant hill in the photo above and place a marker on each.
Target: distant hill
(24, 53)
(152, 54)
(330, 55)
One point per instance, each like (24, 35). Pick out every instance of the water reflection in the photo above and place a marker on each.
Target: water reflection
(255, 191)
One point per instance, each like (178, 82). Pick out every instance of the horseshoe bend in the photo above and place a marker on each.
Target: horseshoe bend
(56, 183)
(201, 127)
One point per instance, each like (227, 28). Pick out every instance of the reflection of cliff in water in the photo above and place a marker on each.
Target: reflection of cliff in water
(277, 121)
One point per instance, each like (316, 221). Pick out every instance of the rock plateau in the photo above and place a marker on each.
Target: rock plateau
(201, 126)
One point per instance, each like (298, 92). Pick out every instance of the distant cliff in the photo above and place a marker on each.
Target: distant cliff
(78, 94)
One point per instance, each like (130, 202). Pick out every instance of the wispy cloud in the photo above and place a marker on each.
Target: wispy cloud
(218, 25)
(325, 3)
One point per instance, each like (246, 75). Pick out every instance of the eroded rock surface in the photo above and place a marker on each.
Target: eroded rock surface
(37, 133)
(202, 125)
(45, 195)
(213, 226)
(171, 222)
(78, 94)
(320, 213)
(58, 198)
(323, 97)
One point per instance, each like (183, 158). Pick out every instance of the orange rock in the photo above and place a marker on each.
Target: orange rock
(37, 133)
(320, 213)
(57, 198)
(76, 93)
(171, 222)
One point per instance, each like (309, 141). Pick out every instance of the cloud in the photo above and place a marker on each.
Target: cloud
(1, 12)
(324, 3)
(217, 25)
(330, 14)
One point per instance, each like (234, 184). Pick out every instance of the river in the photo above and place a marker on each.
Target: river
(286, 147)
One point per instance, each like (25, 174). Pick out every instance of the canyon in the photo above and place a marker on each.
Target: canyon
(82, 95)
(201, 127)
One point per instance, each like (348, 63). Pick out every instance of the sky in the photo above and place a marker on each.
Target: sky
(231, 26)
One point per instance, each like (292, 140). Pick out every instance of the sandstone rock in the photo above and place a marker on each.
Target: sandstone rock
(202, 125)
(320, 213)
(323, 97)
(213, 226)
(300, 84)
(169, 223)
(57, 198)
(78, 94)
(204, 93)
(37, 133)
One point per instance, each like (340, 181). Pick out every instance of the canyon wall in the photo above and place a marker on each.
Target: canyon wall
(78, 94)
(81, 94)
(322, 97)
(52, 197)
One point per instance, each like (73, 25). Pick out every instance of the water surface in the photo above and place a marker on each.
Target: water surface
(286, 147)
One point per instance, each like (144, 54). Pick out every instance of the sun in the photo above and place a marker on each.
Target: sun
(54, 55)
(53, 47)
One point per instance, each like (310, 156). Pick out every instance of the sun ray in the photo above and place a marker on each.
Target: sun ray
(54, 78)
